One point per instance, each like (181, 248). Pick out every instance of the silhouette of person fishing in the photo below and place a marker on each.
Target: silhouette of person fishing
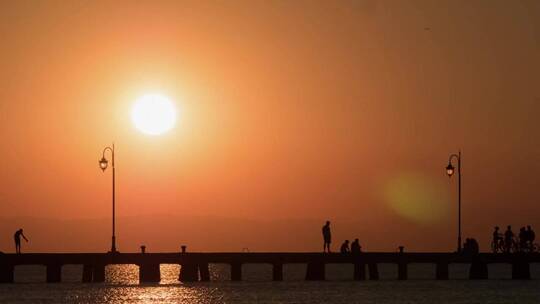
(327, 236)
(17, 238)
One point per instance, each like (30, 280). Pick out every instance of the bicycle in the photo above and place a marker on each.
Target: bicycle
(497, 245)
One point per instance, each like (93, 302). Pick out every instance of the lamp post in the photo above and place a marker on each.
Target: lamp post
(103, 163)
(450, 171)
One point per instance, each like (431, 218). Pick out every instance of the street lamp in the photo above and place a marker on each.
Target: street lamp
(103, 163)
(450, 170)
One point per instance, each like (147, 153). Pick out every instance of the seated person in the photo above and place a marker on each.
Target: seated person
(345, 247)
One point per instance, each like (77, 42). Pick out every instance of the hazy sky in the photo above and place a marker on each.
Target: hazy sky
(305, 110)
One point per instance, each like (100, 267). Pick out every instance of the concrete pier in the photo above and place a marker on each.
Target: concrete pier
(98, 273)
(204, 272)
(7, 272)
(359, 272)
(189, 272)
(521, 270)
(149, 273)
(478, 270)
(87, 274)
(315, 271)
(402, 271)
(195, 266)
(236, 272)
(54, 273)
(277, 272)
(373, 271)
(441, 271)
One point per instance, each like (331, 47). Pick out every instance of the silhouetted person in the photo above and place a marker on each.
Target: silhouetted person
(508, 238)
(355, 247)
(475, 248)
(530, 236)
(17, 238)
(327, 236)
(345, 247)
(522, 238)
(497, 240)
(467, 246)
(470, 246)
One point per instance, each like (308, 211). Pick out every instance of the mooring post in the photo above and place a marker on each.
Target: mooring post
(441, 271)
(277, 272)
(359, 271)
(204, 271)
(373, 271)
(236, 271)
(149, 273)
(98, 273)
(6, 273)
(315, 271)
(54, 273)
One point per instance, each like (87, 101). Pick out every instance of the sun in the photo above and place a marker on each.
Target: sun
(153, 114)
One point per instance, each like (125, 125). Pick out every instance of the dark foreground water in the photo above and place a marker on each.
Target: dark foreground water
(122, 287)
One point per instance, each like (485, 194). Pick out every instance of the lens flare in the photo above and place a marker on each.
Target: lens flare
(417, 197)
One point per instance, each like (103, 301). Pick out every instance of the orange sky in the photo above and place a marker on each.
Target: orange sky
(288, 111)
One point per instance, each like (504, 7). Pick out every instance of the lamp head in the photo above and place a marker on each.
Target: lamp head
(103, 163)
(450, 170)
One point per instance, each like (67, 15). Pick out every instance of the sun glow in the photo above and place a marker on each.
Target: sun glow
(153, 114)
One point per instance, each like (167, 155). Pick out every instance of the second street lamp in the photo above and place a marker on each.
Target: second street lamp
(450, 171)
(103, 164)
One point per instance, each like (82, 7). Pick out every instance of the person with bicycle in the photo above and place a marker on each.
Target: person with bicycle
(508, 239)
(497, 242)
(523, 238)
(530, 238)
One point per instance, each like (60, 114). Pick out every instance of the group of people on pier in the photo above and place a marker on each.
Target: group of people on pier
(508, 242)
(345, 248)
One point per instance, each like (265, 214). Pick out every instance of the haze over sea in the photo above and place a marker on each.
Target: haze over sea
(122, 287)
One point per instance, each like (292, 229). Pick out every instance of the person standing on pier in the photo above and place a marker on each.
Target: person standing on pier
(17, 237)
(508, 239)
(355, 247)
(327, 236)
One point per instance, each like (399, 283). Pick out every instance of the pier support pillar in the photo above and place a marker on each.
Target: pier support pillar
(6, 273)
(479, 270)
(441, 271)
(54, 273)
(98, 273)
(149, 273)
(402, 271)
(189, 272)
(521, 270)
(315, 271)
(87, 272)
(373, 271)
(236, 272)
(277, 272)
(359, 271)
(204, 272)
